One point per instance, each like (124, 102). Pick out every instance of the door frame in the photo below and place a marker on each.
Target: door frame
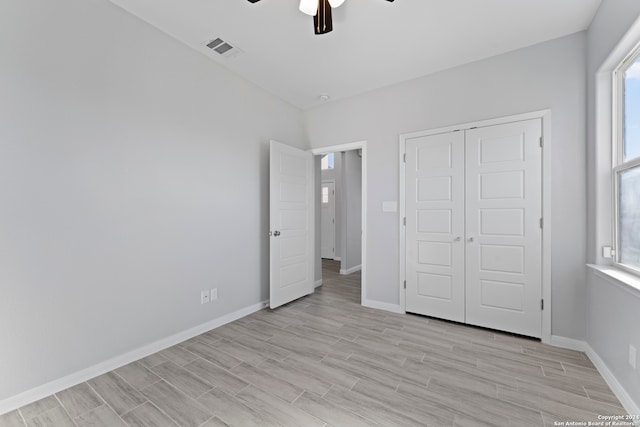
(545, 116)
(332, 181)
(359, 145)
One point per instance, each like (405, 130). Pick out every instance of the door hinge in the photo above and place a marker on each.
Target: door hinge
(541, 142)
(404, 158)
(404, 221)
(541, 304)
(405, 284)
(541, 222)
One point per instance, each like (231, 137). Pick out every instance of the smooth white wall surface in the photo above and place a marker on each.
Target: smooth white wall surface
(612, 311)
(612, 324)
(549, 75)
(353, 209)
(133, 175)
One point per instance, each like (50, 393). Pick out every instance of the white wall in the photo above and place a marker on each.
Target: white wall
(612, 311)
(549, 75)
(133, 175)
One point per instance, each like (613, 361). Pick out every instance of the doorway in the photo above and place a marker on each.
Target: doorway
(349, 235)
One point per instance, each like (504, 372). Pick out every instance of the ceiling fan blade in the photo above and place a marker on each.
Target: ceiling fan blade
(322, 22)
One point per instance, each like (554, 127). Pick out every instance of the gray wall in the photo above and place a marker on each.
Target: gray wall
(549, 75)
(317, 272)
(134, 173)
(613, 311)
(353, 210)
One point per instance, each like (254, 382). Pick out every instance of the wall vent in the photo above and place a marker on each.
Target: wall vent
(222, 48)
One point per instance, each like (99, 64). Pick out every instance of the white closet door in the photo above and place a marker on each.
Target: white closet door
(503, 234)
(435, 226)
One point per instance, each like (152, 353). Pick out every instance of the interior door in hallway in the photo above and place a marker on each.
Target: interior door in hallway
(291, 224)
(328, 218)
(435, 226)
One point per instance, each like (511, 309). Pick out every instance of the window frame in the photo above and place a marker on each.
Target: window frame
(619, 165)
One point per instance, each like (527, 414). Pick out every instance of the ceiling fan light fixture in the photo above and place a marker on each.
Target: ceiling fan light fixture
(309, 7)
(336, 3)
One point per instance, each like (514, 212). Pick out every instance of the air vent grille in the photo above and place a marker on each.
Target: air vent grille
(222, 48)
(215, 43)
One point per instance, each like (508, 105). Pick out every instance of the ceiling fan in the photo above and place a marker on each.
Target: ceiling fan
(321, 12)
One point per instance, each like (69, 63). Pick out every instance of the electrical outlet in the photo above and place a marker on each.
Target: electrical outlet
(214, 294)
(204, 297)
(632, 356)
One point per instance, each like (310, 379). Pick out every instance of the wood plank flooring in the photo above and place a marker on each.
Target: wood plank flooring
(326, 361)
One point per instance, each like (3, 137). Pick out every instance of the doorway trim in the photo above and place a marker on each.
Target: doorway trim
(359, 145)
(545, 115)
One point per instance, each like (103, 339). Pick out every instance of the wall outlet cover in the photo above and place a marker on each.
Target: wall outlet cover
(204, 297)
(214, 294)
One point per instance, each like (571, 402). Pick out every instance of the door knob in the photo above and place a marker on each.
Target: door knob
(276, 233)
(457, 239)
(470, 239)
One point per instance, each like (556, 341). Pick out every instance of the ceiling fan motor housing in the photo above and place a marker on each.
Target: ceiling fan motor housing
(322, 22)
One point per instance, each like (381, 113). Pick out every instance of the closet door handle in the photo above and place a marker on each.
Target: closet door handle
(470, 239)
(457, 239)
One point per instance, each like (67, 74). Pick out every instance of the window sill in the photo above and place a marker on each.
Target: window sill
(624, 280)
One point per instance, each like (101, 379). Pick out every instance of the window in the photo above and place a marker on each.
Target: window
(627, 164)
(325, 195)
(326, 162)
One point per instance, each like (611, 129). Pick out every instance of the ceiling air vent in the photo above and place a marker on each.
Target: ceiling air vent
(222, 48)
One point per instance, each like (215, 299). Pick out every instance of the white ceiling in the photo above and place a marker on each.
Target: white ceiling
(374, 43)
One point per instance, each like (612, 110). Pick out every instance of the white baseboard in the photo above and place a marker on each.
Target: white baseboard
(570, 343)
(317, 283)
(83, 375)
(617, 388)
(351, 270)
(625, 399)
(337, 258)
(394, 308)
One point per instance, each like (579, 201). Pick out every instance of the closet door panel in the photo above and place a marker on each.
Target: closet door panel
(503, 235)
(435, 226)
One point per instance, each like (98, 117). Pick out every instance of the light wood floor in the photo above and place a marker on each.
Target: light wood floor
(325, 360)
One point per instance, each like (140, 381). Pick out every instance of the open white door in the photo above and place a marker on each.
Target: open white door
(291, 224)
